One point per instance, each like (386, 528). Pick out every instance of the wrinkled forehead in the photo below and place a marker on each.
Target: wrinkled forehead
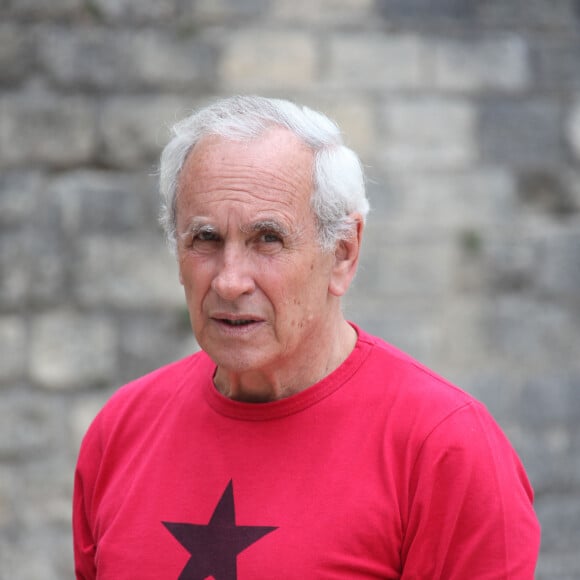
(276, 147)
(276, 160)
(271, 173)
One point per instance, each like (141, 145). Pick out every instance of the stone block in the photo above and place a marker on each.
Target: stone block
(151, 340)
(20, 197)
(405, 261)
(356, 118)
(426, 11)
(225, 11)
(90, 57)
(521, 134)
(549, 192)
(107, 59)
(45, 490)
(457, 352)
(13, 347)
(527, 13)
(322, 12)
(557, 61)
(373, 61)
(52, 551)
(14, 272)
(134, 130)
(405, 322)
(573, 129)
(72, 351)
(29, 426)
(46, 129)
(517, 328)
(551, 399)
(557, 565)
(32, 270)
(16, 53)
(499, 64)
(268, 60)
(571, 180)
(510, 262)
(384, 190)
(81, 416)
(560, 516)
(8, 515)
(558, 272)
(134, 11)
(136, 272)
(43, 11)
(428, 133)
(548, 454)
(497, 390)
(458, 199)
(105, 201)
(181, 62)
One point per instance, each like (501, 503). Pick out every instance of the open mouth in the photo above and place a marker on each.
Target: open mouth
(243, 322)
(235, 322)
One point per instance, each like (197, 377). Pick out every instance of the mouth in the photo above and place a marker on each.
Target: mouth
(239, 322)
(236, 322)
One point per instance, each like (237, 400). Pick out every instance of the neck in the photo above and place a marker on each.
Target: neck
(284, 380)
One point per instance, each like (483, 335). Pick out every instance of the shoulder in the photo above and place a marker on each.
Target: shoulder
(139, 402)
(162, 383)
(423, 409)
(405, 382)
(456, 472)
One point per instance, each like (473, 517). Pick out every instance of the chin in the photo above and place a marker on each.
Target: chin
(235, 361)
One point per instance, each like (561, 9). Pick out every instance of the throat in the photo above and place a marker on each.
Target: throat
(250, 389)
(284, 377)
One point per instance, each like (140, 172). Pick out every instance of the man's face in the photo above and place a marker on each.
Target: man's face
(255, 278)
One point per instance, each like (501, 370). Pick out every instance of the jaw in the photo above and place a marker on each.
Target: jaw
(264, 371)
(258, 360)
(249, 367)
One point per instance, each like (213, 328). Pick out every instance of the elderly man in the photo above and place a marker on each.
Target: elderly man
(294, 445)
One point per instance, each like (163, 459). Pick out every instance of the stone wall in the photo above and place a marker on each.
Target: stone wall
(467, 116)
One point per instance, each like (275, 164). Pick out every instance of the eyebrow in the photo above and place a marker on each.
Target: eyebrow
(266, 226)
(196, 226)
(199, 225)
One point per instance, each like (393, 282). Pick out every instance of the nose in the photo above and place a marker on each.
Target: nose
(234, 274)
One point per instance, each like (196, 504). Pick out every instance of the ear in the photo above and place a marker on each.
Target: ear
(346, 255)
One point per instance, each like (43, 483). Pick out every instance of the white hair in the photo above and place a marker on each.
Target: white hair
(337, 174)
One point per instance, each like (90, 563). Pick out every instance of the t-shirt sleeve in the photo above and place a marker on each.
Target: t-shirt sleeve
(88, 464)
(470, 512)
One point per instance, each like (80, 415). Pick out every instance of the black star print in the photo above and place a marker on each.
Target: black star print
(214, 547)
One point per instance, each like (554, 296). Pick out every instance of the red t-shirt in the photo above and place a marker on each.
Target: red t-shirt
(380, 470)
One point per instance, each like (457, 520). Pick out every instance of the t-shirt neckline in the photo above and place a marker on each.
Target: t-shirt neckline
(295, 403)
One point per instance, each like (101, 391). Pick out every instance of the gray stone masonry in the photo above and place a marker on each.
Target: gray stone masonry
(467, 118)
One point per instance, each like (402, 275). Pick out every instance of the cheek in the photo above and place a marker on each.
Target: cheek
(302, 304)
(195, 280)
(297, 295)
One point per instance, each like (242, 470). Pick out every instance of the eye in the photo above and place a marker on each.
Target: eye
(270, 238)
(203, 238)
(206, 236)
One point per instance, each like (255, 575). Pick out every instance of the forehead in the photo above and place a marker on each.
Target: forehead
(274, 169)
